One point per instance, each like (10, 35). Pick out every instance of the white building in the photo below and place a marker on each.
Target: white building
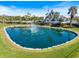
(57, 21)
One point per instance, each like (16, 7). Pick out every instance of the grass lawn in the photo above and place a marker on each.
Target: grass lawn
(10, 50)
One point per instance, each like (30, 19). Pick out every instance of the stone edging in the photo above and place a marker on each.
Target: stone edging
(38, 48)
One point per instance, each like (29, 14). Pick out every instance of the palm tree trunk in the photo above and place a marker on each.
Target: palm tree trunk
(71, 22)
(72, 16)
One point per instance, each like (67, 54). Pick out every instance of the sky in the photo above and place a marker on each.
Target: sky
(38, 8)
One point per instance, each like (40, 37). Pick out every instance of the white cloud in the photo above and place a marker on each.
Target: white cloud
(63, 7)
(14, 11)
(64, 11)
(64, 4)
(67, 4)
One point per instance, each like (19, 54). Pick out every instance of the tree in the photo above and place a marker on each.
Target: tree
(52, 15)
(56, 15)
(28, 13)
(28, 16)
(72, 12)
(36, 18)
(77, 19)
(61, 21)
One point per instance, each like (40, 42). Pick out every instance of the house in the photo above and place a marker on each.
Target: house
(57, 21)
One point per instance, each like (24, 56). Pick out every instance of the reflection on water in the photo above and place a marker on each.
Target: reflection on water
(44, 38)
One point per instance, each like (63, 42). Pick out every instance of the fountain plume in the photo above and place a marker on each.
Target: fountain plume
(33, 28)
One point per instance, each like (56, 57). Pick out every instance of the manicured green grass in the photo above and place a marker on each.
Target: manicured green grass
(8, 50)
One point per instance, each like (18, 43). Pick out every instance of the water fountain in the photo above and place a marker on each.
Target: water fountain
(33, 28)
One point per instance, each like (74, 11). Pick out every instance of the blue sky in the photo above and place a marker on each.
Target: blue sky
(29, 4)
(38, 8)
(38, 4)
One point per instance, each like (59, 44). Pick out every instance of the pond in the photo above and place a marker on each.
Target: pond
(43, 37)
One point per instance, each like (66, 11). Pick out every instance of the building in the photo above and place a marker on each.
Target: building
(57, 21)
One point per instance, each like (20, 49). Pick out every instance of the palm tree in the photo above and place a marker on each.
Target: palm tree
(51, 14)
(56, 15)
(60, 22)
(72, 12)
(28, 15)
(34, 18)
(47, 14)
